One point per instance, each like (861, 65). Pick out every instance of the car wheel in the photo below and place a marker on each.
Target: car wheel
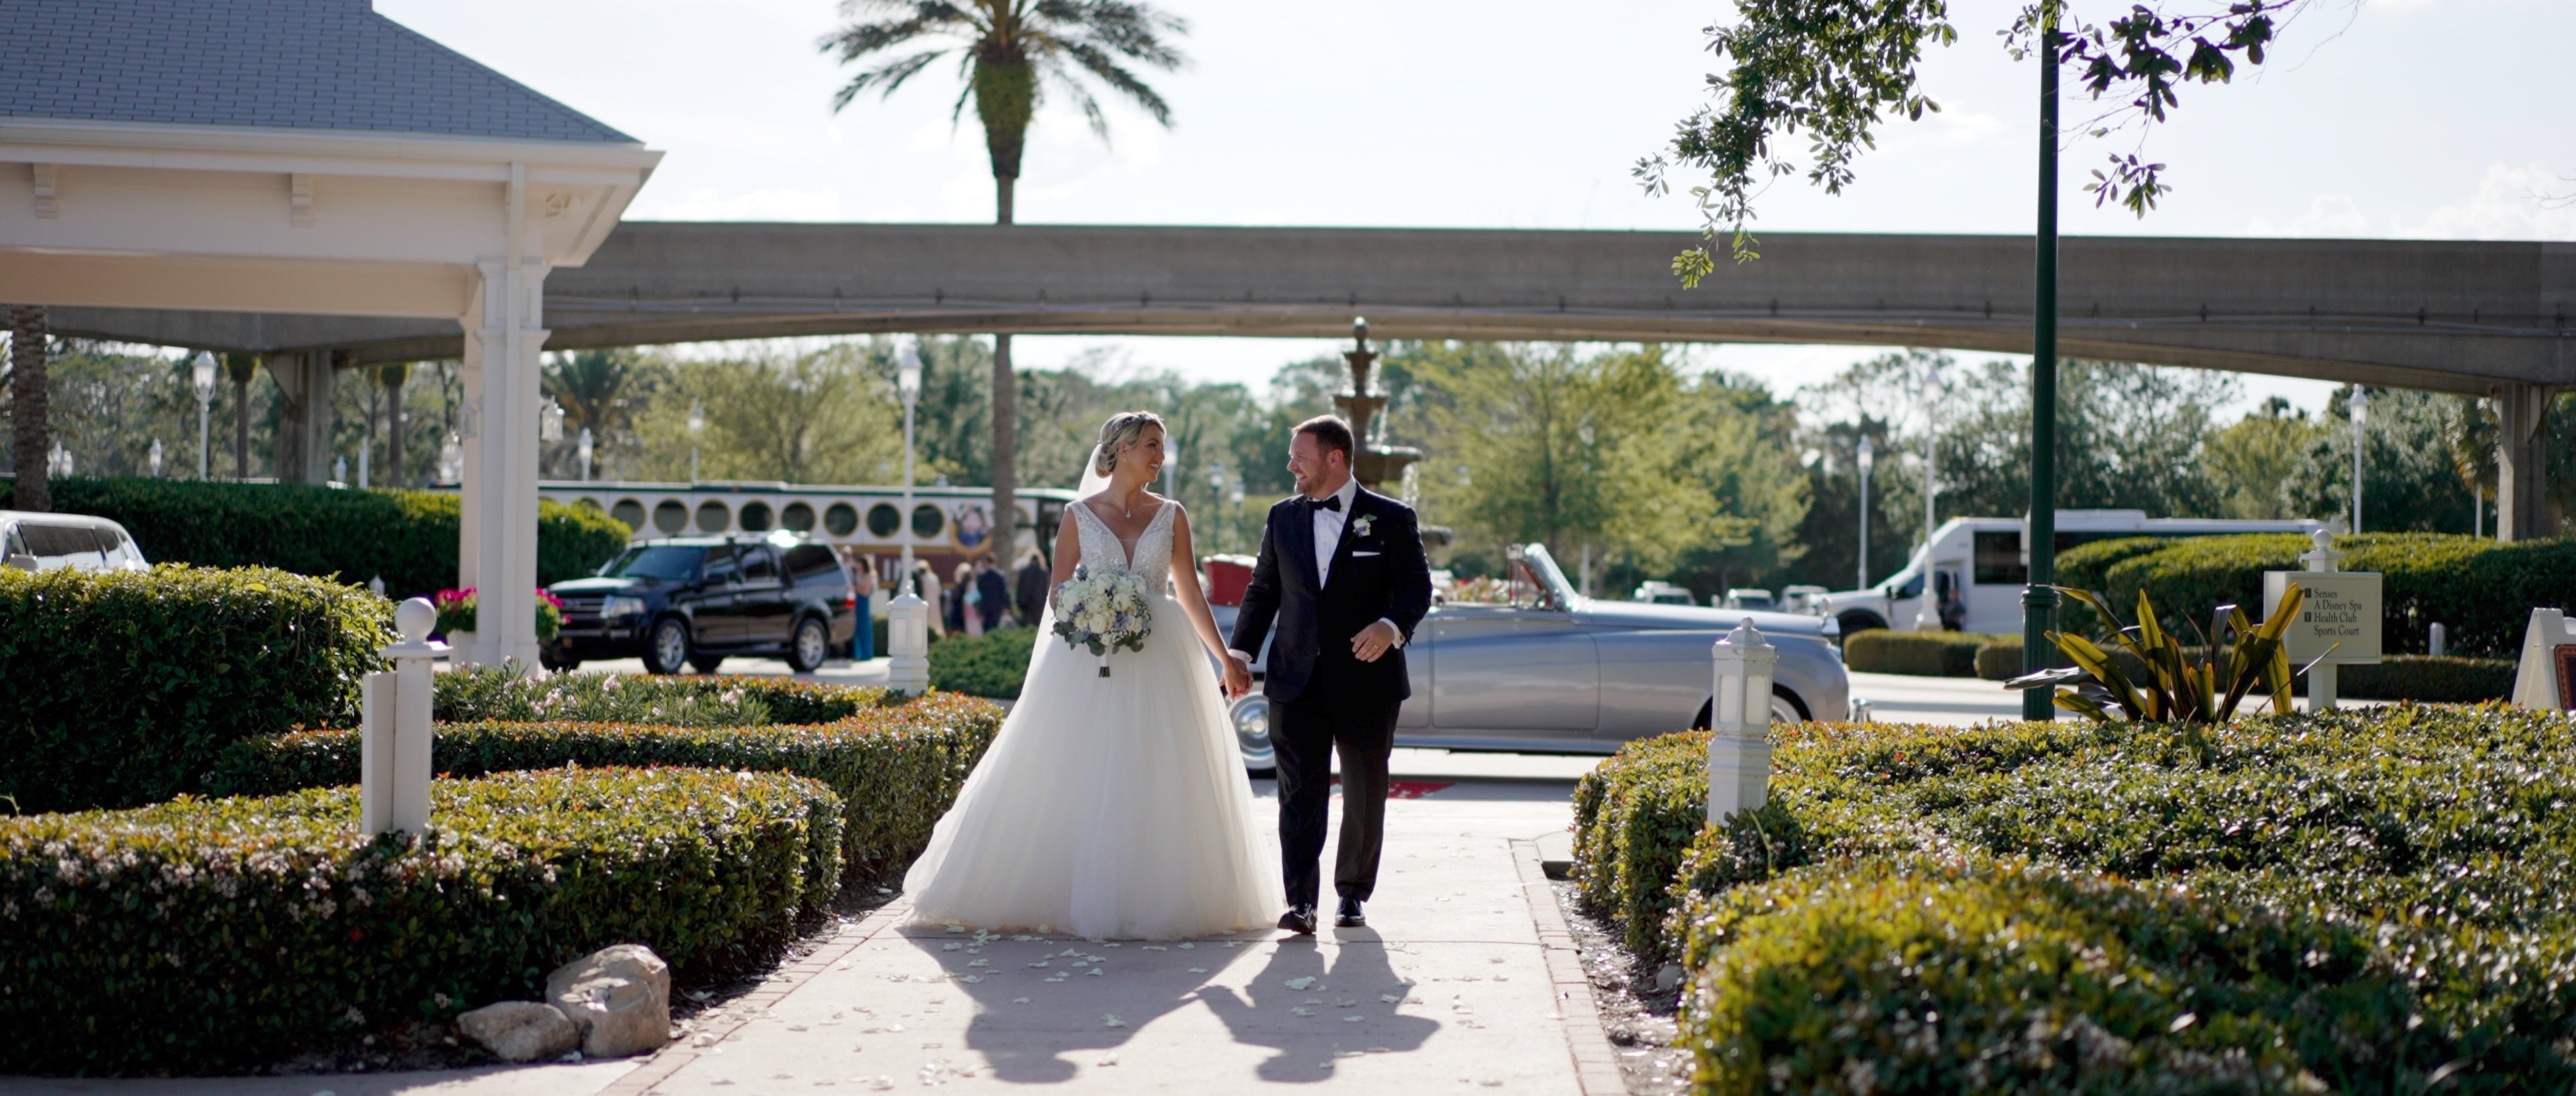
(1785, 708)
(666, 647)
(1250, 718)
(811, 644)
(1858, 620)
(706, 664)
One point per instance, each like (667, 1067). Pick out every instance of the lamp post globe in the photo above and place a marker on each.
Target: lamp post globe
(202, 373)
(697, 426)
(156, 458)
(588, 446)
(907, 384)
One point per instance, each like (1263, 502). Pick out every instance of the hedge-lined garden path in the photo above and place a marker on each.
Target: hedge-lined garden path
(1453, 941)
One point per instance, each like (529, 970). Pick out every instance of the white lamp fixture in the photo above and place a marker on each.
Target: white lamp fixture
(202, 372)
(1739, 721)
(2360, 419)
(587, 447)
(1868, 455)
(156, 458)
(697, 426)
(907, 616)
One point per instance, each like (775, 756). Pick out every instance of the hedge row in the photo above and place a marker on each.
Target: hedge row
(2481, 591)
(514, 694)
(994, 664)
(212, 935)
(120, 687)
(1929, 654)
(2439, 836)
(408, 538)
(896, 769)
(1935, 976)
(2447, 679)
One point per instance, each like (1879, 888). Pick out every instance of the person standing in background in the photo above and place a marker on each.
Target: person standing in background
(863, 585)
(992, 591)
(1033, 589)
(962, 596)
(925, 585)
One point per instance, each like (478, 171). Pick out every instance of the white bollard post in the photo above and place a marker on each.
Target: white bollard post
(908, 643)
(2438, 642)
(1739, 721)
(2321, 679)
(394, 735)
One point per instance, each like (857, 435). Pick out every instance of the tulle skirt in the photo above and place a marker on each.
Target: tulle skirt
(1108, 807)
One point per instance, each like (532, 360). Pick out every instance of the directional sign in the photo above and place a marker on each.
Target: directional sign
(2340, 614)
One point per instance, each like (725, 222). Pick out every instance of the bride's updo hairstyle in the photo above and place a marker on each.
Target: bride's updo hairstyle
(1122, 429)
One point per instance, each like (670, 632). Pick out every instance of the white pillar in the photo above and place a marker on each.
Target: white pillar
(907, 638)
(2321, 677)
(394, 735)
(497, 550)
(1739, 722)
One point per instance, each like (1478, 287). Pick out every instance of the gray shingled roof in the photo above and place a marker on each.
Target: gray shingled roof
(293, 64)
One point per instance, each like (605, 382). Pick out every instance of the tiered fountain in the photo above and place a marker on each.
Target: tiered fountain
(1373, 465)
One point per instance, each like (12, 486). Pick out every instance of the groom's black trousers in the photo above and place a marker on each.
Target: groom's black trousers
(1304, 735)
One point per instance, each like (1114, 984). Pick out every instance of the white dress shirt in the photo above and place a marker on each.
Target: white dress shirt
(1328, 529)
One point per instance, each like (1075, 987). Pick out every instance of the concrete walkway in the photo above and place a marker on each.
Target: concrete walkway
(1452, 986)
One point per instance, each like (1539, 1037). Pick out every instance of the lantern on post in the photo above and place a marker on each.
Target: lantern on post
(907, 616)
(1739, 721)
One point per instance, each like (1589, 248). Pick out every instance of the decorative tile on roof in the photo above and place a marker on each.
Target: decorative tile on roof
(293, 64)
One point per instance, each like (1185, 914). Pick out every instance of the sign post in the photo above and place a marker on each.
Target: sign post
(2339, 619)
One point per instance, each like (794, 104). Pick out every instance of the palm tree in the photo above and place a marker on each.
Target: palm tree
(1008, 53)
(30, 441)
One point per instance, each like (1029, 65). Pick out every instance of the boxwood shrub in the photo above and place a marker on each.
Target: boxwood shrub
(479, 694)
(994, 664)
(1954, 976)
(1928, 654)
(897, 769)
(120, 687)
(206, 935)
(2440, 835)
(408, 538)
(2481, 591)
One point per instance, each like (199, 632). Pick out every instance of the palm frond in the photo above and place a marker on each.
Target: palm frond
(1101, 65)
(885, 78)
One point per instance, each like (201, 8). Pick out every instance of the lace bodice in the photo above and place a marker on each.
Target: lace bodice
(1101, 548)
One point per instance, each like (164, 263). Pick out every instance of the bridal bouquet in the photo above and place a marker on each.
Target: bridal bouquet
(1103, 612)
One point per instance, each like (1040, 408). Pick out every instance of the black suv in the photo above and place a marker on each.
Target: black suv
(694, 600)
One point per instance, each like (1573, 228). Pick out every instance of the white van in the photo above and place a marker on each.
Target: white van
(1976, 567)
(45, 542)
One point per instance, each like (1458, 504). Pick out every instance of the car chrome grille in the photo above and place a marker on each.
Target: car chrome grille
(583, 610)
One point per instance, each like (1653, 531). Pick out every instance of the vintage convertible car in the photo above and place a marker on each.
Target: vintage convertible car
(1542, 669)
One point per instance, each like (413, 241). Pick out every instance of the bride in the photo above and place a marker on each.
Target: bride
(1110, 806)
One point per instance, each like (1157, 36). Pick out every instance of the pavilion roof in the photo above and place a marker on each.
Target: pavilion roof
(289, 64)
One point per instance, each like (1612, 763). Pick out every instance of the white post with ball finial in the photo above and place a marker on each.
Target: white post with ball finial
(1739, 722)
(2323, 558)
(394, 705)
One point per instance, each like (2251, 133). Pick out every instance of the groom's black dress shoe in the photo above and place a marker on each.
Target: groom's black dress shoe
(1349, 915)
(1299, 919)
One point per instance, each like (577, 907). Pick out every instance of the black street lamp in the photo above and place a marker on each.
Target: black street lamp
(2039, 598)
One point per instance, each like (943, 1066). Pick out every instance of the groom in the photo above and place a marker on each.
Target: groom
(1343, 575)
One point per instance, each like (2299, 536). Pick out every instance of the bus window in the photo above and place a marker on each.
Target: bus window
(1999, 560)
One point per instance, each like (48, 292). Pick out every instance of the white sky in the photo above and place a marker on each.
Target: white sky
(2385, 118)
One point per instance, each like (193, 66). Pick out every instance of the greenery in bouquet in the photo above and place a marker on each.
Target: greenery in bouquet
(1103, 612)
(456, 612)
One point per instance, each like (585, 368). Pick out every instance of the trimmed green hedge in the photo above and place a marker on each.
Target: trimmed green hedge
(1928, 654)
(515, 694)
(2440, 835)
(896, 769)
(226, 934)
(2481, 591)
(119, 688)
(408, 538)
(994, 664)
(1935, 976)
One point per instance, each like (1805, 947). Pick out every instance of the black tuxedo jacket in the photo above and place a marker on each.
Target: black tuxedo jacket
(1379, 572)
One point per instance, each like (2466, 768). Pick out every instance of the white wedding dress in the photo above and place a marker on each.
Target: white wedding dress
(1107, 807)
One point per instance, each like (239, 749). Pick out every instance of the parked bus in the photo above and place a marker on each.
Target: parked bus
(1976, 567)
(948, 525)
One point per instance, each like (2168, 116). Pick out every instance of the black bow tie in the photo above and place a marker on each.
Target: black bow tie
(1328, 502)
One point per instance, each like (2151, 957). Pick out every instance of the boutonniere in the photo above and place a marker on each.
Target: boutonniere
(1360, 526)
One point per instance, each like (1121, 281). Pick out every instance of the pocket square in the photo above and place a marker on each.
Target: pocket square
(1359, 555)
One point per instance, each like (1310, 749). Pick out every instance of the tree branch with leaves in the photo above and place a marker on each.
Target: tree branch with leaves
(1832, 70)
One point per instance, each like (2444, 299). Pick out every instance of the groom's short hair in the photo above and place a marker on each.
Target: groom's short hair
(1330, 432)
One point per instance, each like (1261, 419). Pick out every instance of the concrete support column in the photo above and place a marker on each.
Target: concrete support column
(497, 553)
(304, 383)
(2522, 410)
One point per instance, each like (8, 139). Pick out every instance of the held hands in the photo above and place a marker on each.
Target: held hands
(1238, 676)
(1373, 641)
